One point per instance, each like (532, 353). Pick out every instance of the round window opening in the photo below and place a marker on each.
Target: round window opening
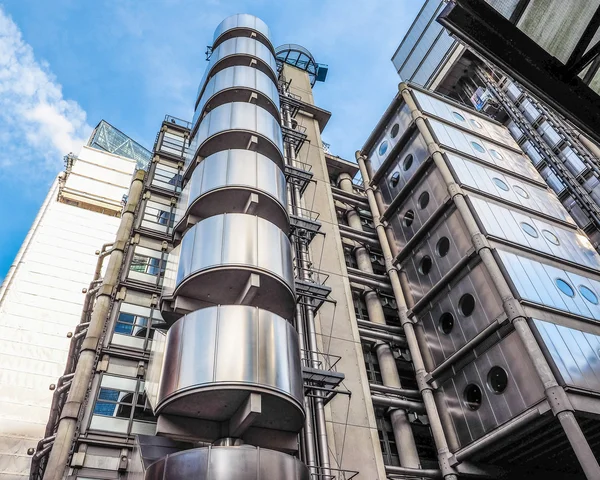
(472, 396)
(458, 116)
(446, 323)
(548, 235)
(443, 246)
(383, 147)
(466, 304)
(478, 147)
(394, 179)
(564, 287)
(588, 294)
(425, 265)
(496, 154)
(529, 230)
(423, 200)
(475, 123)
(520, 191)
(500, 184)
(408, 161)
(395, 130)
(409, 218)
(497, 379)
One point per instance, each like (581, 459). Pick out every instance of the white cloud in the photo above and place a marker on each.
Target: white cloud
(38, 126)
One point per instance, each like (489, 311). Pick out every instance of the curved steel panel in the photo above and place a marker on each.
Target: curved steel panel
(225, 463)
(215, 357)
(224, 181)
(230, 85)
(240, 24)
(232, 126)
(219, 255)
(235, 51)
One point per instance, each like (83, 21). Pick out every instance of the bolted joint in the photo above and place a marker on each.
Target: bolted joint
(513, 309)
(454, 189)
(558, 400)
(434, 148)
(70, 410)
(422, 383)
(480, 242)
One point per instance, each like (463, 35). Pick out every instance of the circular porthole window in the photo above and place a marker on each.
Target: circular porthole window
(564, 287)
(588, 294)
(466, 304)
(497, 379)
(521, 192)
(394, 179)
(500, 184)
(496, 154)
(394, 131)
(383, 147)
(458, 116)
(425, 265)
(423, 200)
(548, 235)
(409, 218)
(478, 147)
(472, 396)
(475, 123)
(446, 323)
(443, 246)
(529, 230)
(408, 161)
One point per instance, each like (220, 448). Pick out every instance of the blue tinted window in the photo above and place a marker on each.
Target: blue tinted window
(588, 294)
(500, 184)
(383, 147)
(478, 147)
(529, 230)
(565, 288)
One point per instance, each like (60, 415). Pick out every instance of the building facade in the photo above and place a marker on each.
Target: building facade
(48, 284)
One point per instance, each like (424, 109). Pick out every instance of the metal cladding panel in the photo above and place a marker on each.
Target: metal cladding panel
(575, 354)
(539, 283)
(513, 190)
(529, 110)
(445, 339)
(464, 118)
(242, 20)
(233, 116)
(403, 168)
(392, 133)
(220, 252)
(239, 46)
(225, 463)
(523, 390)
(238, 77)
(223, 181)
(215, 357)
(567, 244)
(572, 161)
(445, 245)
(485, 151)
(548, 133)
(410, 216)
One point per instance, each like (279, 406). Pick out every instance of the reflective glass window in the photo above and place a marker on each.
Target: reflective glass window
(478, 147)
(529, 229)
(588, 294)
(564, 287)
(548, 235)
(158, 216)
(496, 154)
(394, 179)
(500, 184)
(144, 264)
(520, 191)
(472, 396)
(458, 116)
(475, 123)
(497, 379)
(383, 147)
(395, 130)
(408, 161)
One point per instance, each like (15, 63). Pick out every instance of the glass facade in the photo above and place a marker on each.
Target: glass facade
(108, 138)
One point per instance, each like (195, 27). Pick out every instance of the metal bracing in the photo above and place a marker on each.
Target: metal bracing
(299, 175)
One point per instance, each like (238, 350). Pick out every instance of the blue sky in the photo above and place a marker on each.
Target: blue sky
(67, 64)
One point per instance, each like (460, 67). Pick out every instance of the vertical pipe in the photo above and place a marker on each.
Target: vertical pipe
(415, 352)
(84, 371)
(405, 441)
(556, 395)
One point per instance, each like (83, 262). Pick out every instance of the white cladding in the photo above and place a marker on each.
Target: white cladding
(44, 300)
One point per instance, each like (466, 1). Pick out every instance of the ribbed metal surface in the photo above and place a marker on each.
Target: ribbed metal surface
(215, 357)
(237, 83)
(227, 463)
(224, 181)
(390, 137)
(232, 126)
(241, 22)
(219, 254)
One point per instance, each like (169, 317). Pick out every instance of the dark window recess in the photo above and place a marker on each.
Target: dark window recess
(350, 258)
(360, 309)
(386, 438)
(394, 179)
(372, 366)
(367, 224)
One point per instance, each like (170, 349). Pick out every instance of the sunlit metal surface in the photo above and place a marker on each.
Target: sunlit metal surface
(219, 254)
(215, 357)
(523, 390)
(390, 137)
(233, 125)
(241, 21)
(226, 463)
(224, 181)
(237, 84)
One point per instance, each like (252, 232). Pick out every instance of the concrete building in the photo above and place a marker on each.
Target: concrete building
(42, 296)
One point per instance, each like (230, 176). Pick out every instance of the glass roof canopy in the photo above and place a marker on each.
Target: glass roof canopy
(300, 57)
(108, 138)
